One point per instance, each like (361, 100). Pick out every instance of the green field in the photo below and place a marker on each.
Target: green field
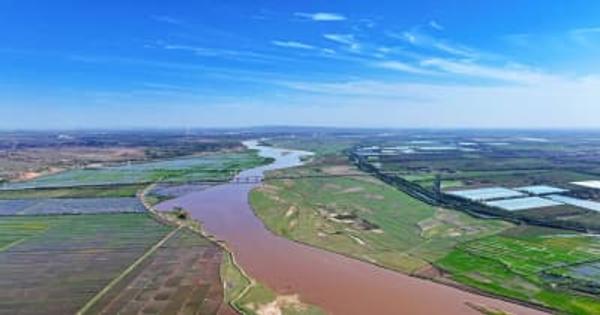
(55, 264)
(511, 264)
(15, 230)
(364, 218)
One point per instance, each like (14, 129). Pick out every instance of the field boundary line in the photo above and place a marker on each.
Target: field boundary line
(251, 283)
(15, 243)
(129, 269)
(198, 229)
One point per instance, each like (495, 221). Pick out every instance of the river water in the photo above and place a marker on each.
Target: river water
(337, 284)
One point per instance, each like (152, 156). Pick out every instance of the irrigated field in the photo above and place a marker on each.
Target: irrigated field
(55, 264)
(364, 218)
(514, 263)
(180, 277)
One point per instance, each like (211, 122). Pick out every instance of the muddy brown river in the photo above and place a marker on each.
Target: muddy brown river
(337, 284)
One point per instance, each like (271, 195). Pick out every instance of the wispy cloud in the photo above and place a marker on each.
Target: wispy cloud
(456, 50)
(436, 25)
(563, 101)
(167, 19)
(403, 67)
(557, 42)
(423, 40)
(328, 51)
(588, 30)
(511, 73)
(585, 36)
(241, 55)
(321, 16)
(345, 39)
(293, 44)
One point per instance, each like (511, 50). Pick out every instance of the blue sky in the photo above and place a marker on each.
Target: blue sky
(84, 64)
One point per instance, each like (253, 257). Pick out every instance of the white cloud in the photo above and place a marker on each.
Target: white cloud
(410, 37)
(403, 67)
(321, 16)
(512, 73)
(423, 40)
(455, 50)
(242, 55)
(292, 44)
(328, 51)
(585, 36)
(562, 102)
(346, 39)
(436, 25)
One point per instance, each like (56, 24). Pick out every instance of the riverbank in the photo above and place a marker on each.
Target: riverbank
(337, 284)
(240, 291)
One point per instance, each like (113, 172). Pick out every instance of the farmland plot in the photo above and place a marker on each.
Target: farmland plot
(181, 277)
(59, 262)
(514, 264)
(583, 277)
(70, 206)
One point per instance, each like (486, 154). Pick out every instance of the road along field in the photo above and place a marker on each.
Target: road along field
(55, 264)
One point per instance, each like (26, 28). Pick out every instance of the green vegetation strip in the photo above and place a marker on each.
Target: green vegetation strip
(129, 269)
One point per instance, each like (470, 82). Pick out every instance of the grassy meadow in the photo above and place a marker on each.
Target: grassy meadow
(364, 218)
